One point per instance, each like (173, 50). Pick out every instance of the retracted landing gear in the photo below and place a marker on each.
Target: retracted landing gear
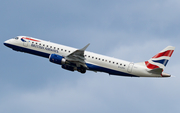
(81, 69)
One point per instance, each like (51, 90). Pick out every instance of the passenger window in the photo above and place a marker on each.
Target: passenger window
(69, 51)
(102, 59)
(50, 46)
(54, 47)
(61, 49)
(99, 58)
(65, 50)
(92, 57)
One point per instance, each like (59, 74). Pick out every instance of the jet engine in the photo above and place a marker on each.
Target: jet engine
(57, 59)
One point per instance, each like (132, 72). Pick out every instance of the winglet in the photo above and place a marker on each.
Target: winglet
(84, 48)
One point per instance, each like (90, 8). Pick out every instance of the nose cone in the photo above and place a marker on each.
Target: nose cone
(6, 43)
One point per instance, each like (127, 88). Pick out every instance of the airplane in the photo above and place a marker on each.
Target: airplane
(80, 60)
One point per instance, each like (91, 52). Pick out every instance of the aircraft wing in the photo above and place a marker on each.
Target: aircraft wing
(78, 57)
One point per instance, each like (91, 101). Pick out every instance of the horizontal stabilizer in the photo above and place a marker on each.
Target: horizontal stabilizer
(156, 71)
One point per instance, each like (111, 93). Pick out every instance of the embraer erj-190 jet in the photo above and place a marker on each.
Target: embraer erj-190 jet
(78, 59)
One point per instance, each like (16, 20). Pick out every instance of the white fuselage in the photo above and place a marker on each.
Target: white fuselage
(95, 62)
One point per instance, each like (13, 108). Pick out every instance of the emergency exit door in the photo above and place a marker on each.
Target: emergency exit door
(130, 67)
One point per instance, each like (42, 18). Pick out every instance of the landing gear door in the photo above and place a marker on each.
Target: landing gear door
(130, 67)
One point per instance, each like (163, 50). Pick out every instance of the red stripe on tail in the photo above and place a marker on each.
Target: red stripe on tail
(151, 66)
(166, 53)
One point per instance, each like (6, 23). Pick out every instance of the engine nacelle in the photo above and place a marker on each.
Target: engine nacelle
(67, 67)
(57, 59)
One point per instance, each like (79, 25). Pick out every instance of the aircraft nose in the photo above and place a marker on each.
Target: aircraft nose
(6, 43)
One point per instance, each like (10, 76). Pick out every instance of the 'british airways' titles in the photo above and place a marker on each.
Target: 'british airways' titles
(46, 48)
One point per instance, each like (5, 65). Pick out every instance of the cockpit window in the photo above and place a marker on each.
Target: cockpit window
(16, 38)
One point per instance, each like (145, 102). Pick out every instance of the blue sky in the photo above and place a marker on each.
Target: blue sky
(130, 30)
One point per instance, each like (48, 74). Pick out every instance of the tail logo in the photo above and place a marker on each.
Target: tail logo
(161, 59)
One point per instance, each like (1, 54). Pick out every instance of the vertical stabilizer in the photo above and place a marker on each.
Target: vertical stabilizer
(161, 59)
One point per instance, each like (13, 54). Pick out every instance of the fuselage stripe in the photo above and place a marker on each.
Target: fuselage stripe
(30, 39)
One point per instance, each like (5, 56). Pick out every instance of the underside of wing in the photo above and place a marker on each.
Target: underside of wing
(77, 57)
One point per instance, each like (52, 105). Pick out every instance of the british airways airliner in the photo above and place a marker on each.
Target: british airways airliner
(73, 59)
